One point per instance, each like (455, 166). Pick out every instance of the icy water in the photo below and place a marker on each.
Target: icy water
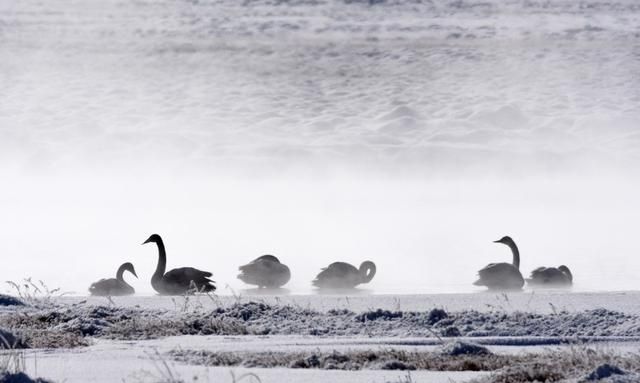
(411, 133)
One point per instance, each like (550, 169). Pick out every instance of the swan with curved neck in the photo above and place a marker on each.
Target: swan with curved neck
(179, 281)
(551, 277)
(339, 275)
(265, 271)
(502, 276)
(514, 250)
(114, 286)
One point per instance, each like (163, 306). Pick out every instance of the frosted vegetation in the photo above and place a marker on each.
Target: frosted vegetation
(74, 325)
(578, 362)
(52, 324)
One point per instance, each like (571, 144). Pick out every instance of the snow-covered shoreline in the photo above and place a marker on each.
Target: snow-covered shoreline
(141, 331)
(359, 300)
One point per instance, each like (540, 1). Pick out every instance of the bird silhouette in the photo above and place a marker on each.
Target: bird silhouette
(180, 281)
(502, 276)
(114, 286)
(551, 277)
(341, 275)
(265, 271)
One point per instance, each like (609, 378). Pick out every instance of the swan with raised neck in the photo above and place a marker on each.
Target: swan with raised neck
(502, 276)
(184, 280)
(506, 240)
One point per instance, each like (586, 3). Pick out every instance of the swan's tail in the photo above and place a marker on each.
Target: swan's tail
(479, 282)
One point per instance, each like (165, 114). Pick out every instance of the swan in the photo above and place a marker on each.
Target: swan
(340, 275)
(265, 271)
(502, 276)
(551, 277)
(177, 281)
(114, 286)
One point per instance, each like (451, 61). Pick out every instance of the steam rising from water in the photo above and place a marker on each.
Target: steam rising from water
(412, 134)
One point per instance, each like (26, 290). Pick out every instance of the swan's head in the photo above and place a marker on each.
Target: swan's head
(504, 240)
(154, 238)
(129, 267)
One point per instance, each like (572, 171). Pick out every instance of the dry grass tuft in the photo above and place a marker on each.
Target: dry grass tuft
(36, 294)
(550, 366)
(352, 360)
(12, 367)
(165, 373)
(559, 365)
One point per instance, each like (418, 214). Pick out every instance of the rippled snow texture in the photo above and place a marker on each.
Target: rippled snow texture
(208, 83)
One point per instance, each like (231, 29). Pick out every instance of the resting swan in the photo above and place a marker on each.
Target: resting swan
(177, 281)
(502, 276)
(265, 271)
(114, 286)
(551, 277)
(341, 275)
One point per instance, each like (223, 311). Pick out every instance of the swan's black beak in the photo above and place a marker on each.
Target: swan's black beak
(498, 241)
(147, 241)
(134, 273)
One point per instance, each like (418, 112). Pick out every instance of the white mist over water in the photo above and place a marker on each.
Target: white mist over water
(411, 134)
(425, 236)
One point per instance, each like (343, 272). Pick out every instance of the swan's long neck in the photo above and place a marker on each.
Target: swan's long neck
(162, 262)
(367, 271)
(516, 254)
(120, 272)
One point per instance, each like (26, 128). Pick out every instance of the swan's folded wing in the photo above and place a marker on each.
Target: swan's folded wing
(109, 286)
(538, 272)
(262, 262)
(96, 287)
(337, 270)
(186, 275)
(495, 268)
(249, 271)
(488, 267)
(266, 257)
(500, 275)
(265, 273)
(494, 271)
(550, 276)
(331, 272)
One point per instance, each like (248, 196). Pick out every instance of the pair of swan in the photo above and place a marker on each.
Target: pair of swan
(264, 271)
(267, 271)
(174, 282)
(507, 276)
